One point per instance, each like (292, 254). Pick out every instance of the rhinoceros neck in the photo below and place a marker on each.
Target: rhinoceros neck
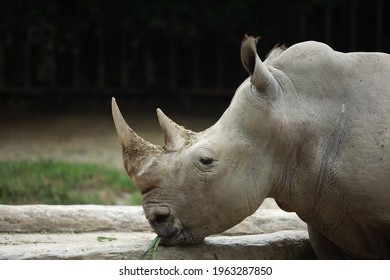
(309, 182)
(298, 141)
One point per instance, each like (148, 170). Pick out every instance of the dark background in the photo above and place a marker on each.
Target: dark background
(178, 52)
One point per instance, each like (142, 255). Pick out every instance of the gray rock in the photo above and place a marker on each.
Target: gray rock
(268, 221)
(71, 218)
(71, 232)
(86, 218)
(279, 245)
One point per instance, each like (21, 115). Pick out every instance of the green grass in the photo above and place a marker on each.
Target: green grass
(53, 182)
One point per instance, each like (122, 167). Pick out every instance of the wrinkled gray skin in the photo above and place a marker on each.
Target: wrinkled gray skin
(310, 127)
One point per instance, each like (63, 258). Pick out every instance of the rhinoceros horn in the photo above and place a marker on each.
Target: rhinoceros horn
(261, 78)
(135, 148)
(175, 136)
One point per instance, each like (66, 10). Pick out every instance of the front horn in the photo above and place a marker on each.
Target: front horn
(135, 149)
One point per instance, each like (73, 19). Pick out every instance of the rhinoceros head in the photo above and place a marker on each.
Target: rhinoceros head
(204, 183)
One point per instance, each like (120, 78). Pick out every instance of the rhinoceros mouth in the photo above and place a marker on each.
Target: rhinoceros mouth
(175, 234)
(172, 231)
(182, 237)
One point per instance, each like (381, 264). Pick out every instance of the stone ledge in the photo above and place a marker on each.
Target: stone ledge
(126, 245)
(87, 218)
(70, 232)
(71, 218)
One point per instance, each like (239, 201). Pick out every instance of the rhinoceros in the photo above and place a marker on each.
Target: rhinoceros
(310, 128)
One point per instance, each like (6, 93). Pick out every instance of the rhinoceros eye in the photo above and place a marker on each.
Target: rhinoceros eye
(206, 160)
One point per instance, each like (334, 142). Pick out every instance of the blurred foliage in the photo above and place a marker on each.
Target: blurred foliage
(51, 182)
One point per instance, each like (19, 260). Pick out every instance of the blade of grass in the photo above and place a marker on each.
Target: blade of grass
(152, 248)
(104, 239)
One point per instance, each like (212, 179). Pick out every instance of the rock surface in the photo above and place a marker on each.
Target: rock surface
(122, 232)
(127, 245)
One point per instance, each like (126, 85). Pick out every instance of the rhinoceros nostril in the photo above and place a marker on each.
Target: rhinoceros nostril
(163, 225)
(160, 219)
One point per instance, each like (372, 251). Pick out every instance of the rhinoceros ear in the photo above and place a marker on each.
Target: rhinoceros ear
(261, 78)
(175, 136)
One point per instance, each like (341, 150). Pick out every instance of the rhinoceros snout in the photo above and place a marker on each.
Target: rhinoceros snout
(162, 222)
